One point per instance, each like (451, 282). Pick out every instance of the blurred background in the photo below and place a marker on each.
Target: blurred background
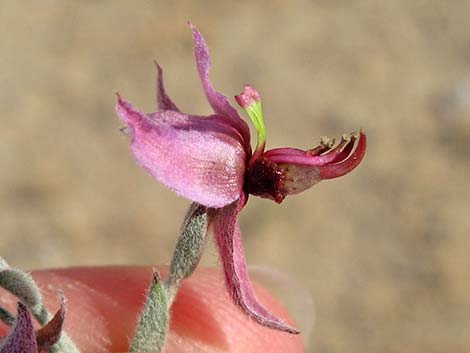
(384, 252)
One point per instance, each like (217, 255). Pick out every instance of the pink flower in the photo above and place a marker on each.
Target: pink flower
(208, 160)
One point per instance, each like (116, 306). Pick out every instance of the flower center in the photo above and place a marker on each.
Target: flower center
(265, 179)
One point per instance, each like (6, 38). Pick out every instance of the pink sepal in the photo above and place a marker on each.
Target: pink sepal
(164, 102)
(200, 158)
(218, 101)
(228, 239)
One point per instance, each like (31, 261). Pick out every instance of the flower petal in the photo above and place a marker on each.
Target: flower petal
(343, 153)
(228, 238)
(343, 167)
(22, 338)
(217, 100)
(163, 100)
(49, 334)
(200, 158)
(311, 157)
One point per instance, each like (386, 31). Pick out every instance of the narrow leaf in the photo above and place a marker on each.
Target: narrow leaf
(152, 327)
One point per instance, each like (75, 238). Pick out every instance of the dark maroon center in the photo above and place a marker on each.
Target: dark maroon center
(265, 179)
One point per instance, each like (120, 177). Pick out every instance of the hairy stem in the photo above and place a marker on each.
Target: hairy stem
(22, 285)
(152, 328)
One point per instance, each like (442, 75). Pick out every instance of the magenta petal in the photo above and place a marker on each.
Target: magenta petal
(228, 238)
(218, 101)
(163, 100)
(312, 158)
(21, 338)
(200, 158)
(308, 160)
(284, 151)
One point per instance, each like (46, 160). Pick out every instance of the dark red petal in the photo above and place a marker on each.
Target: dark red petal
(163, 100)
(50, 333)
(331, 171)
(21, 338)
(346, 150)
(228, 238)
(317, 150)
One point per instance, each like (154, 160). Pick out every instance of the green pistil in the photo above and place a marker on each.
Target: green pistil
(256, 114)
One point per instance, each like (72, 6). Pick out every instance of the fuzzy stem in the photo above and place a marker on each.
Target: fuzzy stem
(7, 317)
(188, 249)
(153, 324)
(22, 285)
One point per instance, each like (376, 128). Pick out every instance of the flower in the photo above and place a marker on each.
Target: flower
(208, 160)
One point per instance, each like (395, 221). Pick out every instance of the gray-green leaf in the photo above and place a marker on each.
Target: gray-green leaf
(152, 328)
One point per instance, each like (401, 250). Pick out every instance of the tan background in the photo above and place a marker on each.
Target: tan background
(384, 251)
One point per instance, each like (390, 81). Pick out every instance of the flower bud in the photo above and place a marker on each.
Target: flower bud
(248, 97)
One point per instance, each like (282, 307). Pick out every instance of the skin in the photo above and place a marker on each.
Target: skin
(104, 302)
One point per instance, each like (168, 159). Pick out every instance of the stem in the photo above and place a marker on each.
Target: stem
(153, 325)
(188, 249)
(7, 317)
(22, 285)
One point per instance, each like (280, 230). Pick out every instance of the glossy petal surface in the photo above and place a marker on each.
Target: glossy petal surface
(200, 158)
(228, 239)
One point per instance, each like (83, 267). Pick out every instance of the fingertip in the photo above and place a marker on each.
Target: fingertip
(204, 313)
(104, 304)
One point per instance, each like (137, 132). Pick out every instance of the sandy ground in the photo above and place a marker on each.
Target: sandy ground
(384, 251)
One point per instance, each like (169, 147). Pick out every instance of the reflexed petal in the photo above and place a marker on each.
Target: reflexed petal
(343, 167)
(346, 151)
(307, 159)
(49, 334)
(284, 151)
(228, 238)
(22, 338)
(318, 156)
(163, 100)
(200, 158)
(217, 100)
